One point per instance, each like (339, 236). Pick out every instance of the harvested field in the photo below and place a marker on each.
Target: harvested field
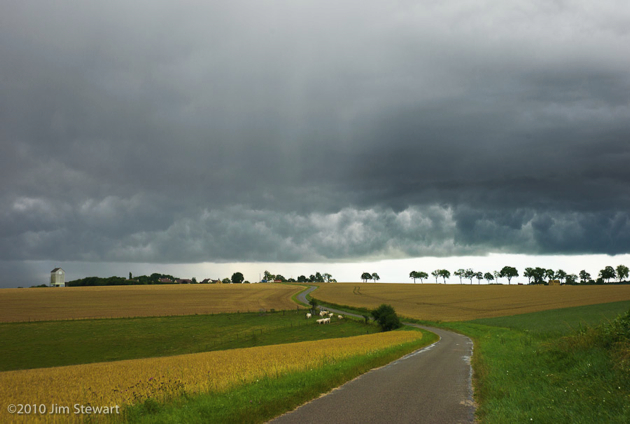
(133, 381)
(40, 304)
(454, 302)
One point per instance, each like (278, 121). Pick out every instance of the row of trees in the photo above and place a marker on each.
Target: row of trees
(367, 276)
(534, 275)
(313, 278)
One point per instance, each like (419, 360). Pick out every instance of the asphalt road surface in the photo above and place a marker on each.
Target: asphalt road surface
(431, 385)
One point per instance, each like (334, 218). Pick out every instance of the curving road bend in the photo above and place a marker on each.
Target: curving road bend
(431, 385)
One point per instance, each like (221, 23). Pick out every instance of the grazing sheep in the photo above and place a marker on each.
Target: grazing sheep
(308, 316)
(323, 321)
(322, 313)
(340, 316)
(330, 315)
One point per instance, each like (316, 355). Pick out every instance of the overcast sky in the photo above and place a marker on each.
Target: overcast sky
(189, 132)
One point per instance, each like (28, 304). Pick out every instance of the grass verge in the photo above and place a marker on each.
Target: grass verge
(268, 397)
(542, 367)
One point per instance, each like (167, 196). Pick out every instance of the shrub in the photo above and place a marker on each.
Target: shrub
(386, 317)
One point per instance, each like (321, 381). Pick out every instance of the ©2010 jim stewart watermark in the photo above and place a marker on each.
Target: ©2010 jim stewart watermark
(55, 409)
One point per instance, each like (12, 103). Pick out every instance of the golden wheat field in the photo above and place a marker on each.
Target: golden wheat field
(454, 302)
(132, 381)
(39, 304)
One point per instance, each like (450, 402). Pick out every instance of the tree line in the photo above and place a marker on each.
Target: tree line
(534, 275)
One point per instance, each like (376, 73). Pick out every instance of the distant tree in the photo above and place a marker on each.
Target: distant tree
(460, 273)
(386, 317)
(280, 277)
(479, 277)
(194, 280)
(422, 275)
(436, 274)
(538, 274)
(607, 273)
(469, 274)
(375, 277)
(302, 279)
(444, 273)
(226, 280)
(550, 274)
(529, 273)
(585, 277)
(327, 277)
(488, 276)
(509, 272)
(560, 275)
(622, 272)
(366, 276)
(268, 276)
(414, 275)
(246, 282)
(319, 278)
(496, 274)
(291, 280)
(130, 276)
(312, 279)
(237, 278)
(571, 279)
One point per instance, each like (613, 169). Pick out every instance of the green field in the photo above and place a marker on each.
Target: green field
(558, 322)
(29, 345)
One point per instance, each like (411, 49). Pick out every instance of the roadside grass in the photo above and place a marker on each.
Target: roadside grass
(268, 397)
(29, 345)
(551, 366)
(542, 367)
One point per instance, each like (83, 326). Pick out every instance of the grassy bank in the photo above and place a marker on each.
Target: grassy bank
(28, 345)
(539, 367)
(268, 397)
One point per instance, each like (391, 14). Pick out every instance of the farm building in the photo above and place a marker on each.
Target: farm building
(57, 278)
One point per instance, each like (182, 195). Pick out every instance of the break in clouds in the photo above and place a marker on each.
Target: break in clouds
(312, 131)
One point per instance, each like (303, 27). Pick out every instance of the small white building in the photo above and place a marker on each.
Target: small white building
(57, 278)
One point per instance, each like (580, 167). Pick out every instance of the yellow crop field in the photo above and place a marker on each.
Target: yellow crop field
(134, 301)
(132, 381)
(455, 302)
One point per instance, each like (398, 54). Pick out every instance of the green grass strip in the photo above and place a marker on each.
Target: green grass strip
(28, 345)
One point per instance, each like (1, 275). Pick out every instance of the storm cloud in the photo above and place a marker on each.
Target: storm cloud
(182, 132)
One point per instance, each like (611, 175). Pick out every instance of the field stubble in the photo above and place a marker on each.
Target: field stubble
(455, 302)
(42, 304)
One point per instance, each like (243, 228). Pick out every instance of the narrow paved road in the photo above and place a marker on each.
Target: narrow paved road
(431, 385)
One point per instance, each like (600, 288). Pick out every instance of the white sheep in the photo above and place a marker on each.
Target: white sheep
(330, 315)
(322, 313)
(340, 316)
(308, 315)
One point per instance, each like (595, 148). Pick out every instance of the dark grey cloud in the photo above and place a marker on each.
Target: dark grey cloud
(312, 131)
